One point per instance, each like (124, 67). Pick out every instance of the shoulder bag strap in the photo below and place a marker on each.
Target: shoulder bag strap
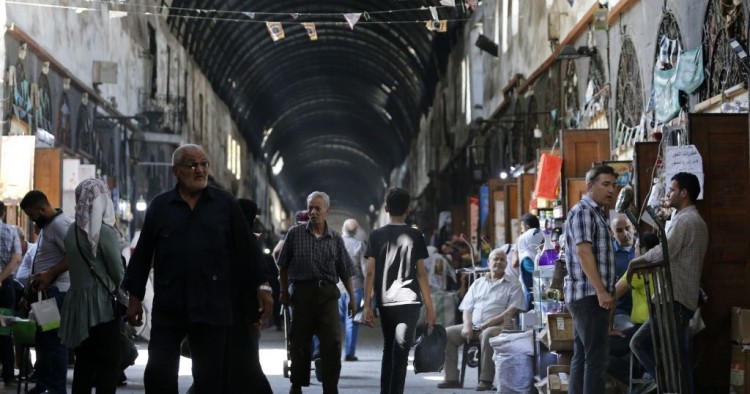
(91, 267)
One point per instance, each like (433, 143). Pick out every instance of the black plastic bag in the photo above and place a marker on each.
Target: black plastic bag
(429, 353)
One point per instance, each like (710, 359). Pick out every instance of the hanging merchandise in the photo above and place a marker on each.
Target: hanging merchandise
(352, 18)
(666, 96)
(690, 70)
(276, 30)
(448, 3)
(548, 178)
(310, 28)
(438, 26)
(433, 12)
(549, 254)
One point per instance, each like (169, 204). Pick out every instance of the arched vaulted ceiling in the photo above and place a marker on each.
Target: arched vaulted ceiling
(342, 110)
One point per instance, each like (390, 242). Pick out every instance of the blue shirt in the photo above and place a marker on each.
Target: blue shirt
(587, 223)
(10, 243)
(622, 260)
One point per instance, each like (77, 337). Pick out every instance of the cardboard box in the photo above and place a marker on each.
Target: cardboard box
(560, 328)
(740, 331)
(527, 320)
(557, 379)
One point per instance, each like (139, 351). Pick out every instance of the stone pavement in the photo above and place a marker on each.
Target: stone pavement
(361, 376)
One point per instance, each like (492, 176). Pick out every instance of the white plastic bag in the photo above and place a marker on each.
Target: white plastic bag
(46, 313)
(514, 373)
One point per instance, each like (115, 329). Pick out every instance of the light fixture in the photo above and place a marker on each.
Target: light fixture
(503, 175)
(140, 205)
(537, 132)
(571, 52)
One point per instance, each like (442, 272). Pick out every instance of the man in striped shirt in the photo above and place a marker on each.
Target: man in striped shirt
(590, 260)
(687, 241)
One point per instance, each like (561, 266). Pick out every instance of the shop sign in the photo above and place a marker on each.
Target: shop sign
(16, 166)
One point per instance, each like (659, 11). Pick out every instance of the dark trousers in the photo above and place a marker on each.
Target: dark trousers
(7, 355)
(588, 368)
(52, 356)
(206, 349)
(97, 364)
(399, 324)
(243, 367)
(315, 312)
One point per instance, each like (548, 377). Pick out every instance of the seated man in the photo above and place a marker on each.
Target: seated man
(491, 301)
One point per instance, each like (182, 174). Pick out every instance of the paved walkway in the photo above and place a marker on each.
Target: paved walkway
(362, 376)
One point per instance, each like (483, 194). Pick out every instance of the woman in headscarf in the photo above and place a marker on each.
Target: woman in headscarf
(88, 322)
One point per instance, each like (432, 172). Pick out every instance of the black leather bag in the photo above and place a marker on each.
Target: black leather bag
(429, 353)
(127, 350)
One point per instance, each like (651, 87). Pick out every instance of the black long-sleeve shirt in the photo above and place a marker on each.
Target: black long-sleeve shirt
(206, 268)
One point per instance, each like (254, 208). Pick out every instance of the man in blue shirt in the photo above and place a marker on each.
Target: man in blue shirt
(10, 257)
(624, 252)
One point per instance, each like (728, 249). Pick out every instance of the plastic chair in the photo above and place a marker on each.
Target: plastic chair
(472, 357)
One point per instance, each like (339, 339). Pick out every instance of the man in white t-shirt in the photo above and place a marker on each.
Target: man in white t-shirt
(527, 247)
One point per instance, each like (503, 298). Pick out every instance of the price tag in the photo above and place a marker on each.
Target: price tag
(560, 323)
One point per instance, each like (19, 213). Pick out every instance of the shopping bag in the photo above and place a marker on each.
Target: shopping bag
(429, 353)
(548, 178)
(46, 314)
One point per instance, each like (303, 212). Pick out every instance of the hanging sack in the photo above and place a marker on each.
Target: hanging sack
(666, 96)
(429, 353)
(689, 75)
(548, 179)
(46, 314)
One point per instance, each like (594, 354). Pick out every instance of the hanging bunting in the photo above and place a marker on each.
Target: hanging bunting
(276, 30)
(310, 28)
(448, 3)
(433, 12)
(294, 15)
(250, 15)
(352, 18)
(438, 26)
(571, 2)
(472, 4)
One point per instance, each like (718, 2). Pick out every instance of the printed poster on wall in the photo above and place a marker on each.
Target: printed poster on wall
(484, 212)
(473, 220)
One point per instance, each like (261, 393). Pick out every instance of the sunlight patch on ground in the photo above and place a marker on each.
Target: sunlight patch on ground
(273, 361)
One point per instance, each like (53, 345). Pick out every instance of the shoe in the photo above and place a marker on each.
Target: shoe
(295, 389)
(319, 369)
(38, 390)
(484, 386)
(449, 384)
(351, 358)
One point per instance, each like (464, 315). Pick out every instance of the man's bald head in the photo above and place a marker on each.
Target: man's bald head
(350, 227)
(622, 230)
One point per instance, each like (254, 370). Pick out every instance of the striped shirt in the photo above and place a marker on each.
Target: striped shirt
(307, 257)
(10, 243)
(687, 241)
(587, 223)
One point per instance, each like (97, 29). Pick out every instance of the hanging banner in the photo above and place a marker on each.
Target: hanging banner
(16, 166)
(311, 31)
(276, 31)
(438, 26)
(352, 18)
(548, 177)
(250, 15)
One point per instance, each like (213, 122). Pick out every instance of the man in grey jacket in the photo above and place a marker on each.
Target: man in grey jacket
(356, 249)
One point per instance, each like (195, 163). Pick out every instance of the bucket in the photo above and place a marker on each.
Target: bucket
(24, 332)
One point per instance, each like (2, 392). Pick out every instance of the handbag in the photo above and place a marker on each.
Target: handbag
(120, 298)
(127, 350)
(429, 352)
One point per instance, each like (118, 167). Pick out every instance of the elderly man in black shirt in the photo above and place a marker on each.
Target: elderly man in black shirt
(313, 259)
(206, 276)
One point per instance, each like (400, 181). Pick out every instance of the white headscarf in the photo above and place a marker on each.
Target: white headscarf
(93, 207)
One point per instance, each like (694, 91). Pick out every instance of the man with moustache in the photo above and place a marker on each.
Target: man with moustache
(590, 282)
(206, 276)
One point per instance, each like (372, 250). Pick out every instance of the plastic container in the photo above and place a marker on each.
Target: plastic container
(549, 254)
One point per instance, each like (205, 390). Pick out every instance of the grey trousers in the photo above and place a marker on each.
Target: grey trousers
(455, 340)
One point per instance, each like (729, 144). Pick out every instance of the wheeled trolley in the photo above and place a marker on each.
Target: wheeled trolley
(287, 321)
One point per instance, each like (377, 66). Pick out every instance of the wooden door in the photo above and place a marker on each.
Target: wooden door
(582, 148)
(723, 142)
(525, 187)
(48, 174)
(645, 155)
